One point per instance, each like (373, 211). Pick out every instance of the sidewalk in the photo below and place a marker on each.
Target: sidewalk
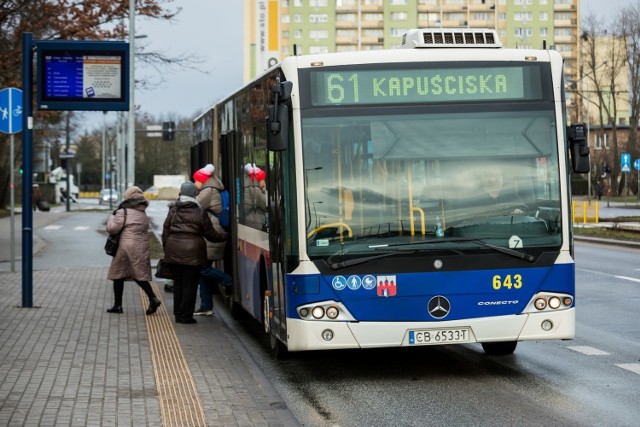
(68, 362)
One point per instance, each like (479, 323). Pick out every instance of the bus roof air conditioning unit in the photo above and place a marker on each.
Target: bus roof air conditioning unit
(450, 37)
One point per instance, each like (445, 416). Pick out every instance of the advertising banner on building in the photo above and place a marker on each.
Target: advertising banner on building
(267, 34)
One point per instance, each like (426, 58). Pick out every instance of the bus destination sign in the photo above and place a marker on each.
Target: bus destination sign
(409, 86)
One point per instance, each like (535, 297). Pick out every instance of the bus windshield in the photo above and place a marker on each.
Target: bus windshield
(377, 177)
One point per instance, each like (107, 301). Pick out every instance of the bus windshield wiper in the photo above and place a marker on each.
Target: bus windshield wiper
(363, 260)
(508, 251)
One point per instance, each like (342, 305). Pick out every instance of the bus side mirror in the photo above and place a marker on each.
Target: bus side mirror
(278, 129)
(579, 148)
(278, 120)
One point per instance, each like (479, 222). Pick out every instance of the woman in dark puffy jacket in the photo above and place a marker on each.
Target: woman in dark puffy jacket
(183, 239)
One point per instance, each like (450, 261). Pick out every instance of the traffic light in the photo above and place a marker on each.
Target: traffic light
(168, 131)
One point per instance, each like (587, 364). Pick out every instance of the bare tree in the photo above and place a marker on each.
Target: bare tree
(605, 66)
(68, 20)
(629, 22)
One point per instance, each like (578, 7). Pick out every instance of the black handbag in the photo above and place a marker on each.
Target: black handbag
(113, 240)
(163, 270)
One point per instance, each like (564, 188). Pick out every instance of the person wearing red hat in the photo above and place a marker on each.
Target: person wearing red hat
(209, 197)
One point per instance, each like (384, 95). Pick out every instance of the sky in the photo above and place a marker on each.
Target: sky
(208, 29)
(212, 30)
(607, 8)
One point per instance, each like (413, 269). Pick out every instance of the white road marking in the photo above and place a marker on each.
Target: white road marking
(81, 227)
(627, 278)
(53, 227)
(593, 272)
(633, 367)
(589, 351)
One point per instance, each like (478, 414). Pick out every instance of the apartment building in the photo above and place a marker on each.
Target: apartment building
(280, 28)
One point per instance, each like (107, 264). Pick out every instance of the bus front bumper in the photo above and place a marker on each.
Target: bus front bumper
(312, 335)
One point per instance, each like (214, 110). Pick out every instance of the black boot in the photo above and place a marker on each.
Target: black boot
(154, 303)
(115, 309)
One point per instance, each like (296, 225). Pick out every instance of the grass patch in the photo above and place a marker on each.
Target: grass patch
(606, 233)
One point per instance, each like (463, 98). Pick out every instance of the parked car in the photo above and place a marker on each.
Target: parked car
(151, 193)
(108, 195)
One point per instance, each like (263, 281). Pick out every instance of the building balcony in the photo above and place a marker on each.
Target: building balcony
(565, 23)
(564, 7)
(564, 39)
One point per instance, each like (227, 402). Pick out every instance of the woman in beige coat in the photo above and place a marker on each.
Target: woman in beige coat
(132, 260)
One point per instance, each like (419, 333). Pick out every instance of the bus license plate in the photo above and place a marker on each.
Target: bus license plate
(439, 336)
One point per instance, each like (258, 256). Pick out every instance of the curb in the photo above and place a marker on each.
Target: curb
(609, 242)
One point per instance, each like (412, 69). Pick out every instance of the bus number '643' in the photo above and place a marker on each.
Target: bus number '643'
(509, 281)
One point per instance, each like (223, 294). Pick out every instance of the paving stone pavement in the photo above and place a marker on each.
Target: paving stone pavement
(68, 362)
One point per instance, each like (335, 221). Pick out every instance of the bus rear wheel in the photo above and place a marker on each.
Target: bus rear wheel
(499, 348)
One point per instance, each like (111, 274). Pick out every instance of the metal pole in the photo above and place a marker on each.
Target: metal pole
(68, 162)
(588, 144)
(104, 137)
(27, 170)
(131, 143)
(12, 171)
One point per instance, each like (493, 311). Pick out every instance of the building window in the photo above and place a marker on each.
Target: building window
(502, 16)
(285, 19)
(481, 16)
(456, 2)
(602, 141)
(544, 16)
(373, 32)
(369, 17)
(318, 34)
(398, 32)
(297, 34)
(429, 2)
(455, 16)
(564, 48)
(399, 16)
(318, 18)
(566, 32)
(318, 49)
(373, 2)
(297, 18)
(563, 16)
(523, 32)
(346, 17)
(346, 33)
(523, 16)
(399, 2)
(543, 31)
(318, 3)
(297, 3)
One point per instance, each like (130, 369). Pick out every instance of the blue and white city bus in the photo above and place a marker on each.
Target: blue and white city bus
(404, 197)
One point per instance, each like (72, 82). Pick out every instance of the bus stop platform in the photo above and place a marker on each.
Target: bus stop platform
(66, 361)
